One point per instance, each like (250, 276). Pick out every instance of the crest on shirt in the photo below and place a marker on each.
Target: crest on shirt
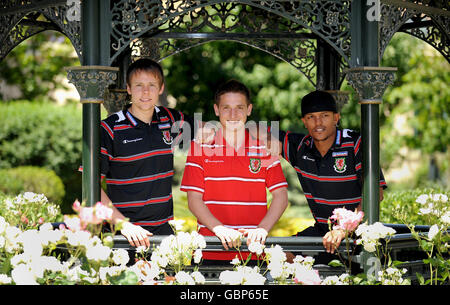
(167, 137)
(339, 165)
(255, 165)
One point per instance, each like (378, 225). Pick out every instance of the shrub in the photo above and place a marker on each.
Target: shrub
(44, 135)
(403, 203)
(28, 210)
(32, 179)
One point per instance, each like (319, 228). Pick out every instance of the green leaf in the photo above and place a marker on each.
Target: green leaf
(125, 278)
(336, 263)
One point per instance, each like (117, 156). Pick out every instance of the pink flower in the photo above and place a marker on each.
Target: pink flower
(306, 276)
(76, 206)
(102, 212)
(87, 216)
(346, 220)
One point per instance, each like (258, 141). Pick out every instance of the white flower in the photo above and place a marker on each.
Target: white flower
(198, 240)
(120, 257)
(177, 224)
(145, 271)
(426, 211)
(184, 278)
(275, 253)
(228, 277)
(4, 279)
(198, 256)
(198, 277)
(434, 230)
(446, 218)
(78, 238)
(256, 247)
(392, 276)
(31, 242)
(141, 250)
(254, 278)
(23, 275)
(3, 224)
(422, 199)
(370, 235)
(235, 261)
(98, 253)
(46, 227)
(307, 261)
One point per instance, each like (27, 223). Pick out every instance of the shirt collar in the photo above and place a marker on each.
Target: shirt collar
(337, 141)
(136, 122)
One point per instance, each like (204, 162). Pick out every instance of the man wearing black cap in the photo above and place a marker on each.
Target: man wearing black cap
(328, 164)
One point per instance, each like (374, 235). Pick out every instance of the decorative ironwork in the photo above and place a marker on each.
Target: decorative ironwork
(370, 82)
(27, 18)
(392, 18)
(300, 53)
(115, 100)
(341, 97)
(324, 18)
(427, 23)
(92, 81)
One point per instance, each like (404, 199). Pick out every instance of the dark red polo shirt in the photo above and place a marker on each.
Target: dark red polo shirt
(137, 163)
(329, 182)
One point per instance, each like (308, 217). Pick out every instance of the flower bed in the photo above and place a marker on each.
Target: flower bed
(28, 255)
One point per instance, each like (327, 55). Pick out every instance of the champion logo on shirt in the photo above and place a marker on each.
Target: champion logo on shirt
(132, 140)
(307, 158)
(213, 161)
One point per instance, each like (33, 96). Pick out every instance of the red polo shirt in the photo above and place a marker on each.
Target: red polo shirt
(233, 183)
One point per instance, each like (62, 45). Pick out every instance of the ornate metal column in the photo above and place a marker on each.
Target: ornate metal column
(91, 80)
(91, 83)
(369, 80)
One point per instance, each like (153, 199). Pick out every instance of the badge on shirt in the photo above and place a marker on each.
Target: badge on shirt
(339, 165)
(255, 165)
(167, 137)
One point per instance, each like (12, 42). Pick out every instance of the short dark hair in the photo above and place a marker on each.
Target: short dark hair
(232, 86)
(147, 65)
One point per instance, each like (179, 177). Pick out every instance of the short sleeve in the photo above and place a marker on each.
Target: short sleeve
(106, 148)
(275, 177)
(289, 145)
(193, 176)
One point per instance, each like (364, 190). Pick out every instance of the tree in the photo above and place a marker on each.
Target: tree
(36, 66)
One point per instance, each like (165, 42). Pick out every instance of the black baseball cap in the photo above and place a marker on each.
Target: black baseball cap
(317, 101)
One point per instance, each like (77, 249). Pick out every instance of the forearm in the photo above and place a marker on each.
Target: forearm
(276, 209)
(201, 211)
(116, 215)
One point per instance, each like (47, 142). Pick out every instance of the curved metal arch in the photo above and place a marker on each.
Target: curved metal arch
(71, 30)
(57, 23)
(306, 67)
(7, 45)
(435, 36)
(395, 19)
(135, 22)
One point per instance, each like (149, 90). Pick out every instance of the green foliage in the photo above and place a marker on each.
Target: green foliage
(36, 66)
(13, 181)
(28, 210)
(43, 135)
(276, 87)
(400, 204)
(419, 98)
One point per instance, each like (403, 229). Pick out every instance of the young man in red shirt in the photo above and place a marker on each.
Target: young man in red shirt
(226, 180)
